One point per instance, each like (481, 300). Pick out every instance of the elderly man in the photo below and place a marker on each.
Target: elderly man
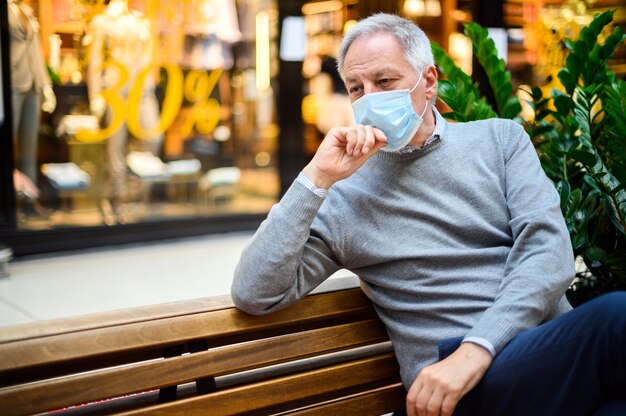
(457, 237)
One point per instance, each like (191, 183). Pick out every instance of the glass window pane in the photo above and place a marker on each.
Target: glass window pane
(141, 110)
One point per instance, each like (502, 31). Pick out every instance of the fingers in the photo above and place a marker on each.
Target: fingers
(430, 403)
(433, 405)
(369, 141)
(424, 402)
(358, 138)
(361, 140)
(343, 151)
(438, 404)
(412, 398)
(448, 405)
(379, 135)
(428, 396)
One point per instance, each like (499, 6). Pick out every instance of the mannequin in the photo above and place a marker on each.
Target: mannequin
(211, 30)
(29, 84)
(122, 36)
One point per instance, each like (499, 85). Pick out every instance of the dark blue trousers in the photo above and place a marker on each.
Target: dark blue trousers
(572, 365)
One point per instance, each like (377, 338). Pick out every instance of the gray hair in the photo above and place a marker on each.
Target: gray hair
(414, 42)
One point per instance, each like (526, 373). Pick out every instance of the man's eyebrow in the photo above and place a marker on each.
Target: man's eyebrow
(385, 72)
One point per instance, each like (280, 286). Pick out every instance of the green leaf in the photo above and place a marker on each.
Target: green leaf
(574, 63)
(536, 93)
(586, 59)
(600, 21)
(579, 241)
(584, 157)
(563, 103)
(541, 130)
(574, 202)
(567, 79)
(595, 253)
(512, 108)
(499, 78)
(563, 189)
(619, 170)
(459, 91)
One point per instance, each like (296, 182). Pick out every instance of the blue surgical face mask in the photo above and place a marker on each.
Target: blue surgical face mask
(392, 112)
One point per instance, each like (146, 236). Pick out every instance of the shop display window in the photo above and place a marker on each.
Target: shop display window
(126, 111)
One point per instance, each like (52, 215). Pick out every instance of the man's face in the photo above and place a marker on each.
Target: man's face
(376, 63)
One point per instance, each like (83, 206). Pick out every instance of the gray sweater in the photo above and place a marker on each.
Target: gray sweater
(462, 238)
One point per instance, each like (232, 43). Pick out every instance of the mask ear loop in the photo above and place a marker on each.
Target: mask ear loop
(425, 108)
(413, 89)
(417, 83)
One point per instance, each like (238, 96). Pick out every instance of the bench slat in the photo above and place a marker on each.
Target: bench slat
(112, 318)
(113, 382)
(85, 346)
(142, 313)
(383, 400)
(276, 395)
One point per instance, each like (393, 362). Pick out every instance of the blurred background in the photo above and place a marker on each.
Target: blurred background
(147, 139)
(137, 120)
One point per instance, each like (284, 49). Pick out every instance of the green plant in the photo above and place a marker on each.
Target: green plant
(580, 134)
(461, 94)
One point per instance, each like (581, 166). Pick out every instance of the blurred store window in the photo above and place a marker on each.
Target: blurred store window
(128, 111)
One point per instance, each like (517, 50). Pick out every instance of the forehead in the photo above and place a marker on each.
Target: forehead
(374, 53)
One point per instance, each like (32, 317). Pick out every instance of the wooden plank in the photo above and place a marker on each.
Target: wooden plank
(38, 397)
(278, 393)
(305, 364)
(373, 402)
(85, 346)
(112, 318)
(143, 313)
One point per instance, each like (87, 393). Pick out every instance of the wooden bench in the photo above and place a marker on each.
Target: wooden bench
(327, 355)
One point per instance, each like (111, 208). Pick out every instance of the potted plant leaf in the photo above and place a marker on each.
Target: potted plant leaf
(579, 131)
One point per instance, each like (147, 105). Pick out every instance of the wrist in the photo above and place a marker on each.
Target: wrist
(317, 178)
(475, 354)
(481, 342)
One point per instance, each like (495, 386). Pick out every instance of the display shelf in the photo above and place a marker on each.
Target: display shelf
(50, 25)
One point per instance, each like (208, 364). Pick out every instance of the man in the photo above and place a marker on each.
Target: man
(457, 237)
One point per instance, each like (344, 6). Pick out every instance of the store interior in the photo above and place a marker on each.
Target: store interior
(148, 110)
(127, 111)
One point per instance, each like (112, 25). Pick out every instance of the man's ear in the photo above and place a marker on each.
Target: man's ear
(431, 77)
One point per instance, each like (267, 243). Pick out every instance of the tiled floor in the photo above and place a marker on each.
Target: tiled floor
(53, 286)
(68, 284)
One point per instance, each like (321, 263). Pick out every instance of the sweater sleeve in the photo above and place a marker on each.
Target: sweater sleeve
(540, 264)
(284, 260)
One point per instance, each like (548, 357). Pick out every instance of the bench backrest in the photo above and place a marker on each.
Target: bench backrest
(328, 354)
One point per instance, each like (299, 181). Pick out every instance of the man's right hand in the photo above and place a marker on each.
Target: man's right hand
(342, 152)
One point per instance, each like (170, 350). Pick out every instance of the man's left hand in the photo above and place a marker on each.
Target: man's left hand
(439, 387)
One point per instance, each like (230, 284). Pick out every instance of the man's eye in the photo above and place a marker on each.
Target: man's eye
(384, 81)
(353, 90)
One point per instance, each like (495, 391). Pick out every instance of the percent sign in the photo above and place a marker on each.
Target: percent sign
(205, 111)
